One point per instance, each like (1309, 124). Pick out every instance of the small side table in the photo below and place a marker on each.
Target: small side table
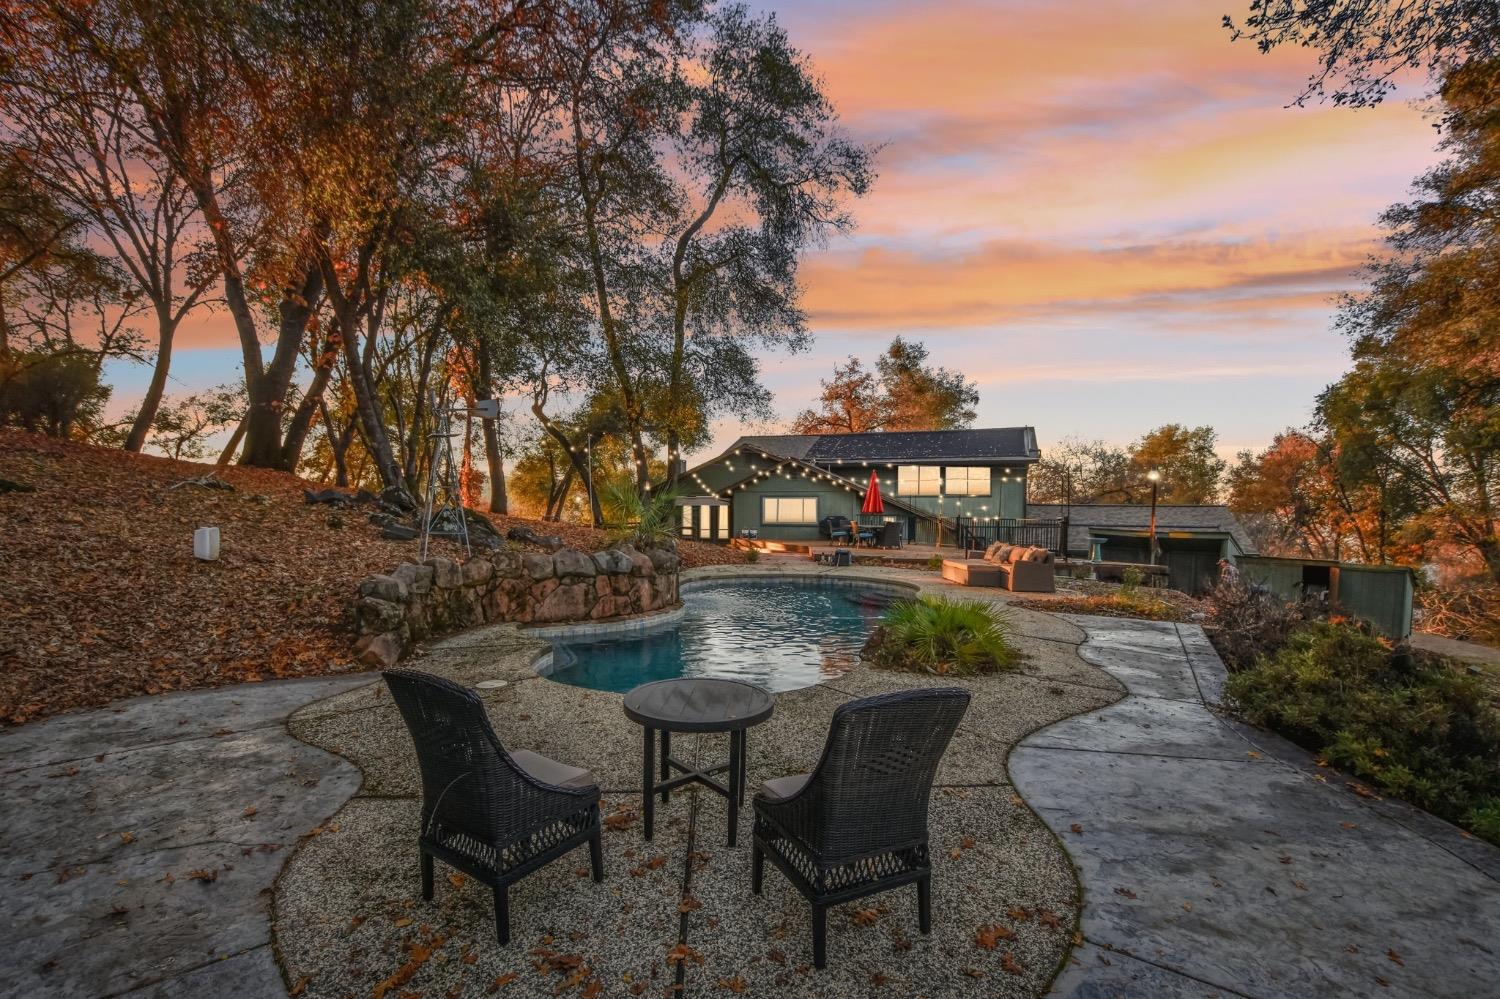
(695, 705)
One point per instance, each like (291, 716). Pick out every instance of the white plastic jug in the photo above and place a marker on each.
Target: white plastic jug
(206, 544)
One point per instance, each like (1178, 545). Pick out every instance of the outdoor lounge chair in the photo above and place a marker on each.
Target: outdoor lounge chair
(495, 815)
(857, 824)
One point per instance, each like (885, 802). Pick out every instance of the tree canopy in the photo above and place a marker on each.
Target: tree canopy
(904, 392)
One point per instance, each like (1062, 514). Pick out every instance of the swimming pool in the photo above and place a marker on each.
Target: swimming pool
(777, 634)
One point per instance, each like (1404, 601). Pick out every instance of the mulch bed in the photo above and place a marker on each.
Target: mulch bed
(103, 599)
(1105, 600)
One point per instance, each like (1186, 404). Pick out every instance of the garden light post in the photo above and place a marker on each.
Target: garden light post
(1155, 478)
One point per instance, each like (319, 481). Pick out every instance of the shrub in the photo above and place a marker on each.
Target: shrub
(935, 564)
(943, 636)
(752, 554)
(1247, 623)
(54, 393)
(1130, 580)
(1412, 724)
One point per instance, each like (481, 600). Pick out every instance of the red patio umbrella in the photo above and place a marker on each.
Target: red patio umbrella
(873, 502)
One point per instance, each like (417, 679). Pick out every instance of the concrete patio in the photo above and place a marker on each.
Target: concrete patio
(1214, 858)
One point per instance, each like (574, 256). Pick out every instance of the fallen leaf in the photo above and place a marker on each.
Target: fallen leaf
(735, 984)
(502, 982)
(988, 937)
(456, 879)
(1125, 892)
(864, 917)
(1009, 964)
(1076, 829)
(1391, 955)
(204, 875)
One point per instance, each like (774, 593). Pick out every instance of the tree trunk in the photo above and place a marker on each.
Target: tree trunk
(307, 409)
(263, 443)
(144, 416)
(576, 463)
(227, 455)
(499, 501)
(556, 503)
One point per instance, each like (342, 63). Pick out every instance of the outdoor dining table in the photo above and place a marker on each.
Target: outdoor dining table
(695, 704)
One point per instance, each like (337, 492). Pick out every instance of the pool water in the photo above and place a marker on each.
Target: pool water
(779, 635)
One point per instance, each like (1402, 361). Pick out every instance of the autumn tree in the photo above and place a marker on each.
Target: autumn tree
(920, 396)
(852, 403)
(1075, 470)
(74, 128)
(1419, 413)
(1191, 469)
(904, 392)
(767, 174)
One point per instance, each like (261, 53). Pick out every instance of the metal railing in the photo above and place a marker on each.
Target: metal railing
(981, 532)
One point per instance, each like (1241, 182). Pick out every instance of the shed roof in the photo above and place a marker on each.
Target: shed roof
(1083, 518)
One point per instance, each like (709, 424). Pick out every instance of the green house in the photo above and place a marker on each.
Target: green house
(782, 487)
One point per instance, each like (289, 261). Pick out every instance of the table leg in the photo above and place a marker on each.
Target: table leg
(744, 764)
(666, 769)
(736, 762)
(648, 784)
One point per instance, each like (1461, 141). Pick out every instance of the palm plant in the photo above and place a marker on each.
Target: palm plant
(945, 636)
(643, 521)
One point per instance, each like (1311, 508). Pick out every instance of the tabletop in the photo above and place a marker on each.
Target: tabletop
(702, 704)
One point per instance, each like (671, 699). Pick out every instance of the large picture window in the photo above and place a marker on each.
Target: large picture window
(968, 480)
(789, 510)
(918, 480)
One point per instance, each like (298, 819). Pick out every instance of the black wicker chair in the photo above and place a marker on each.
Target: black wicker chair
(857, 824)
(495, 815)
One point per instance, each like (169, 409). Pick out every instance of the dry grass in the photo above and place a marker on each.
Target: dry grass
(102, 598)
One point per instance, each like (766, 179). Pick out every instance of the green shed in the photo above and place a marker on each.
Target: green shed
(1379, 594)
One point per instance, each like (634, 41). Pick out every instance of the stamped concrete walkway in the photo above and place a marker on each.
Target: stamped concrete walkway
(140, 841)
(1217, 859)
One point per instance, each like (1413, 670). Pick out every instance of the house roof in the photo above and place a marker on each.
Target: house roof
(993, 444)
(1083, 518)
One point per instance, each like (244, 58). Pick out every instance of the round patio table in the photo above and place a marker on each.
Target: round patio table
(695, 705)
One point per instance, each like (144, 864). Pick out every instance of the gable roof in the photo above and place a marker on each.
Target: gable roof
(994, 444)
(1082, 517)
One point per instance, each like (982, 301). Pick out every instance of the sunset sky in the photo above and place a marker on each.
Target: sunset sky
(1102, 212)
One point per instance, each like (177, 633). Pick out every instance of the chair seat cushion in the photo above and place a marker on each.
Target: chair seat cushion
(550, 771)
(781, 788)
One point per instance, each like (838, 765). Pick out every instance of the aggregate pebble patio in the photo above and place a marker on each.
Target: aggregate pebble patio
(675, 916)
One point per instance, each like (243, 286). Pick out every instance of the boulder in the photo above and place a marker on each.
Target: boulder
(446, 574)
(664, 560)
(570, 562)
(569, 602)
(399, 498)
(381, 651)
(640, 564)
(614, 561)
(477, 571)
(330, 496)
(551, 542)
(388, 588)
(538, 566)
(418, 578)
(375, 615)
(398, 532)
(507, 561)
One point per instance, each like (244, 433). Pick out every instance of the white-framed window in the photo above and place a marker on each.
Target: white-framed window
(967, 480)
(918, 480)
(721, 519)
(687, 522)
(789, 510)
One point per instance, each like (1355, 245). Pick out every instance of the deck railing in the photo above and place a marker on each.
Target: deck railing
(981, 532)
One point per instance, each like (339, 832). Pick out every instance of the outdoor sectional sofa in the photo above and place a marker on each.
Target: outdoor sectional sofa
(1011, 567)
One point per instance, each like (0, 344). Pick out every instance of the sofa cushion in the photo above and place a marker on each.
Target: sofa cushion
(1017, 554)
(1039, 555)
(999, 552)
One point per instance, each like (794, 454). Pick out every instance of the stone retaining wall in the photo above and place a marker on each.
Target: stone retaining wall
(418, 600)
